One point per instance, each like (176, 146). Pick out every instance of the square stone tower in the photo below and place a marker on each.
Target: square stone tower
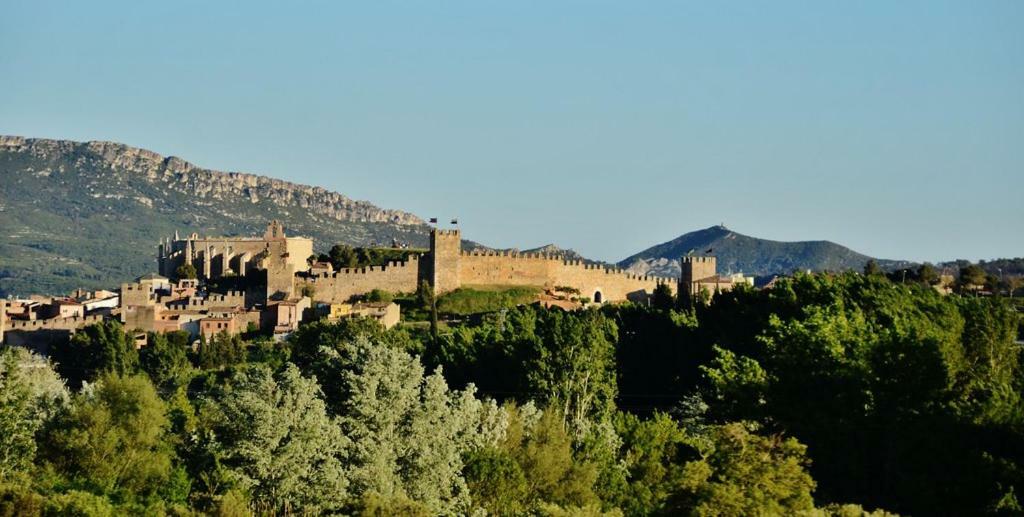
(694, 269)
(445, 250)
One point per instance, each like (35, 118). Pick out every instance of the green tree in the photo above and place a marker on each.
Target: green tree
(427, 301)
(872, 268)
(496, 481)
(544, 451)
(742, 474)
(95, 350)
(319, 347)
(425, 295)
(572, 364)
(46, 388)
(870, 374)
(375, 505)
(972, 275)
(407, 431)
(663, 298)
(274, 437)
(654, 453)
(113, 437)
(927, 275)
(31, 393)
(988, 388)
(379, 295)
(165, 360)
(343, 256)
(18, 424)
(220, 351)
(185, 272)
(308, 290)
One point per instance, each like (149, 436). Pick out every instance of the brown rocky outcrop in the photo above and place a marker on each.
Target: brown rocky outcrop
(180, 175)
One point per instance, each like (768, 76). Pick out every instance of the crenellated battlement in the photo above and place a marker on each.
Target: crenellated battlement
(688, 259)
(72, 323)
(412, 262)
(447, 267)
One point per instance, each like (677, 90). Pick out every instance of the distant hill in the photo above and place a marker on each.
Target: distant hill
(89, 214)
(738, 253)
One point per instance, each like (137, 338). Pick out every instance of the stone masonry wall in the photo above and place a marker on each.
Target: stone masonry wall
(338, 287)
(445, 250)
(503, 268)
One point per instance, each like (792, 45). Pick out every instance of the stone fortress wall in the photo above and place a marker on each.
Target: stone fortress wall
(695, 269)
(446, 267)
(341, 285)
(37, 334)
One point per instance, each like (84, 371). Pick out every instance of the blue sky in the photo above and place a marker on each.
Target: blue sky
(895, 128)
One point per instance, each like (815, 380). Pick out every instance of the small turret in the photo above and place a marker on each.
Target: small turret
(275, 231)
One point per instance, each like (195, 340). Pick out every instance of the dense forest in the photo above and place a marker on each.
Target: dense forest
(825, 395)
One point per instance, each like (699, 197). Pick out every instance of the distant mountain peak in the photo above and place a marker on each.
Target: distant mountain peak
(739, 253)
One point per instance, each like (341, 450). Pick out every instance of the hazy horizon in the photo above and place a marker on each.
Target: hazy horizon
(894, 130)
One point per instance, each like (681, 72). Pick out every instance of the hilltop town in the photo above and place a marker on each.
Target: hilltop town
(272, 283)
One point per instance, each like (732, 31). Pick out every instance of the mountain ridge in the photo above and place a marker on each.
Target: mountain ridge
(203, 182)
(89, 214)
(738, 253)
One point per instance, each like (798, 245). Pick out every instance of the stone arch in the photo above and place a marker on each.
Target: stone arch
(598, 296)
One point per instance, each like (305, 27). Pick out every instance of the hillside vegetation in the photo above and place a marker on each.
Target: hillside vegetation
(90, 214)
(822, 396)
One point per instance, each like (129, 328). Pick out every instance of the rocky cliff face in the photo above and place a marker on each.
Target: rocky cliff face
(204, 184)
(89, 214)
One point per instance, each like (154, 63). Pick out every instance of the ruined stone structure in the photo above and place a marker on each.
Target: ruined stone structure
(446, 267)
(214, 257)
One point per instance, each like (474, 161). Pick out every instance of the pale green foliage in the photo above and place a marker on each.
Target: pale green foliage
(543, 450)
(845, 510)
(79, 503)
(374, 505)
(408, 432)
(45, 386)
(655, 453)
(496, 480)
(31, 392)
(18, 425)
(987, 388)
(735, 380)
(532, 470)
(278, 443)
(113, 436)
(747, 474)
(590, 510)
(573, 365)
(233, 503)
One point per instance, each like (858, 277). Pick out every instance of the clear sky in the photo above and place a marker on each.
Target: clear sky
(895, 128)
